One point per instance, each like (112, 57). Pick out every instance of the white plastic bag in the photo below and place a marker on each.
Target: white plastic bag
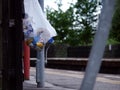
(42, 29)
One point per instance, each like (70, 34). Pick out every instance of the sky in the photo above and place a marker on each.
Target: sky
(51, 3)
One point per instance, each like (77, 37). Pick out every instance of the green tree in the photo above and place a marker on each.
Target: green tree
(62, 22)
(76, 25)
(86, 18)
(115, 29)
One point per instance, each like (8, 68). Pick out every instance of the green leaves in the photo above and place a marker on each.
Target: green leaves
(86, 19)
(115, 29)
(75, 26)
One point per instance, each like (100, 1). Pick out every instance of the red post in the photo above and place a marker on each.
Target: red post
(26, 61)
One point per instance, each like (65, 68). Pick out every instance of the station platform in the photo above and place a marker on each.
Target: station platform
(109, 65)
(56, 79)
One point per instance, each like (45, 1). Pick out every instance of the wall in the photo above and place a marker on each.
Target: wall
(78, 52)
(112, 51)
(81, 51)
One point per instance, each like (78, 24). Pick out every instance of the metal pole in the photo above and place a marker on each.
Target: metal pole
(40, 65)
(26, 62)
(41, 4)
(97, 50)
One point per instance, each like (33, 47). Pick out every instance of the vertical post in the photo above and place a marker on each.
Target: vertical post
(18, 6)
(12, 45)
(41, 4)
(26, 61)
(97, 51)
(5, 28)
(40, 65)
(0, 45)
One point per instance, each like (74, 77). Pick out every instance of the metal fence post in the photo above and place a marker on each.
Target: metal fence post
(99, 43)
(40, 64)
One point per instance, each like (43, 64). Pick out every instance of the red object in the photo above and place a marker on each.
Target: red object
(26, 61)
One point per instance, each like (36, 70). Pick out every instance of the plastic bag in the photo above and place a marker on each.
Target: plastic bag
(37, 30)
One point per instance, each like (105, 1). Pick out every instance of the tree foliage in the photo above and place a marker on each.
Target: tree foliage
(86, 18)
(115, 29)
(62, 22)
(76, 25)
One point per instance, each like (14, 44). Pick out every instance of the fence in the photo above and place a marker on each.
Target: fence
(111, 51)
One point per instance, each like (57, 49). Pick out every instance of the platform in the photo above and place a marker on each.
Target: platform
(109, 65)
(56, 79)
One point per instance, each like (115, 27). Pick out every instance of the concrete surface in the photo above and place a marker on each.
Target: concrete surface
(70, 80)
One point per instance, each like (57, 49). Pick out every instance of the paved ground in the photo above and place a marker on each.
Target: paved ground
(70, 80)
